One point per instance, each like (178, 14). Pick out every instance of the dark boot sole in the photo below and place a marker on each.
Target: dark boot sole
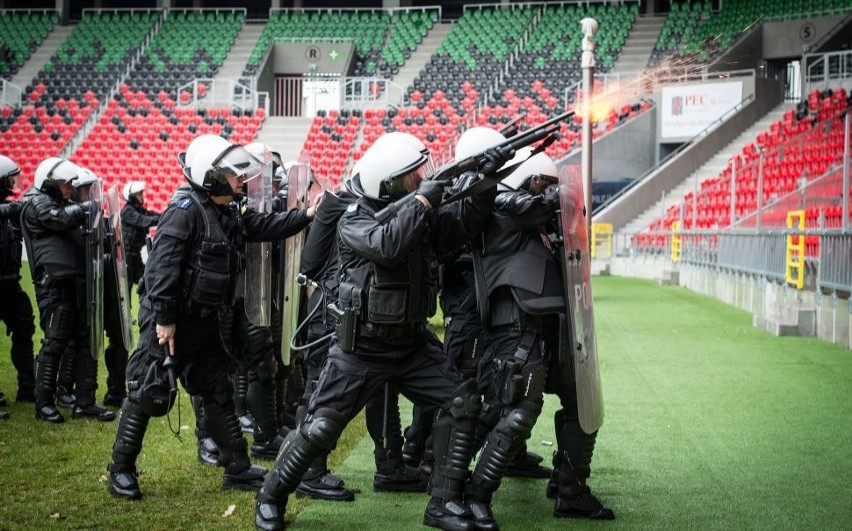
(135, 496)
(315, 495)
(232, 485)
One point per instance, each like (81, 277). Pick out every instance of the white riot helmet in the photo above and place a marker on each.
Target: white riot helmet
(10, 176)
(214, 161)
(85, 177)
(132, 188)
(476, 140)
(52, 171)
(394, 137)
(382, 172)
(185, 157)
(538, 166)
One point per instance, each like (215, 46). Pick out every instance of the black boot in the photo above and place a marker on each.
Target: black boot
(45, 406)
(574, 498)
(239, 472)
(301, 447)
(319, 483)
(93, 411)
(453, 447)
(65, 380)
(132, 424)
(208, 452)
(527, 465)
(577, 501)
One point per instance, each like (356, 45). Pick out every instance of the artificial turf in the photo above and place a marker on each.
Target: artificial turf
(710, 424)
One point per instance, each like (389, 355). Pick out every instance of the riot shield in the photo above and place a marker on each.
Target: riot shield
(119, 267)
(258, 275)
(577, 281)
(95, 269)
(298, 179)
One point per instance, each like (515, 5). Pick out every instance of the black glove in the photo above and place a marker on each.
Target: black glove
(433, 191)
(496, 158)
(551, 195)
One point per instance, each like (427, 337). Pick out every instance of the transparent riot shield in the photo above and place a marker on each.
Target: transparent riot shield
(119, 266)
(95, 269)
(580, 318)
(258, 275)
(298, 180)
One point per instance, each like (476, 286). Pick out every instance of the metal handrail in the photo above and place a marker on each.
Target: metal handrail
(680, 149)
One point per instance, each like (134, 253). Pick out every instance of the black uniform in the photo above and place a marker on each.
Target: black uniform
(55, 245)
(388, 283)
(16, 311)
(190, 276)
(520, 280)
(135, 222)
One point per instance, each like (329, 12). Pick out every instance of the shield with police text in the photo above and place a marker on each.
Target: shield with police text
(120, 289)
(95, 268)
(298, 180)
(578, 340)
(258, 277)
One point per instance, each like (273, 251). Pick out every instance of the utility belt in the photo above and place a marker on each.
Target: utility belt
(389, 331)
(536, 324)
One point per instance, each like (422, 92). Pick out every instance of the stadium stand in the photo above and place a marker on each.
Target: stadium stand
(21, 32)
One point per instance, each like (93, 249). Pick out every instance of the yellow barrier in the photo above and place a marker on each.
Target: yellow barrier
(794, 269)
(601, 240)
(675, 241)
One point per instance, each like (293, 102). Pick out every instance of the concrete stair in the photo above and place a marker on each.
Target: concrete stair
(421, 55)
(285, 134)
(240, 52)
(41, 56)
(639, 44)
(711, 168)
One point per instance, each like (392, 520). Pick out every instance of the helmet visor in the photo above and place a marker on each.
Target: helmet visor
(13, 183)
(239, 162)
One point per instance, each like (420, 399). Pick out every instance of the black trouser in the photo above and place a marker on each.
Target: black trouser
(61, 321)
(16, 312)
(417, 367)
(202, 367)
(115, 354)
(512, 377)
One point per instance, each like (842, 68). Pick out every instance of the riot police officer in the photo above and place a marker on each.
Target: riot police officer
(16, 310)
(84, 365)
(51, 227)
(135, 222)
(386, 292)
(190, 276)
(520, 300)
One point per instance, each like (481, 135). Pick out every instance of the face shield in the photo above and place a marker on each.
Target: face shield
(239, 163)
(407, 180)
(13, 183)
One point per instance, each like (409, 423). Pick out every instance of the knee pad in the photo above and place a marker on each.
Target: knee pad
(322, 428)
(519, 422)
(466, 402)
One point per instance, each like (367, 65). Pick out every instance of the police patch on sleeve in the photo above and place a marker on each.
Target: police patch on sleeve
(185, 203)
(351, 210)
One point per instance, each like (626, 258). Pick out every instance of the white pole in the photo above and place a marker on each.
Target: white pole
(590, 26)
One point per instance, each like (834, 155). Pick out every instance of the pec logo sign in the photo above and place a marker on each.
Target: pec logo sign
(677, 106)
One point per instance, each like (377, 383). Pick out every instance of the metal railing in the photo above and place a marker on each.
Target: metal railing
(827, 70)
(676, 152)
(10, 94)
